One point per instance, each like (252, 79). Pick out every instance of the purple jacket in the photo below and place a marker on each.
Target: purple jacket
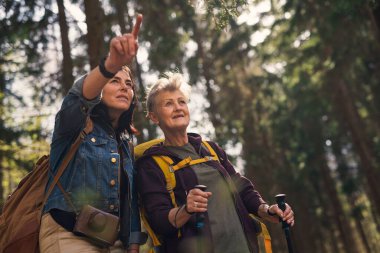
(155, 198)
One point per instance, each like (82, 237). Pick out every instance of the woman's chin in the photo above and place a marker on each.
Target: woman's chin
(178, 128)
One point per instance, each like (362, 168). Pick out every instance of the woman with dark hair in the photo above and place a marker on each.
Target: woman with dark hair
(101, 173)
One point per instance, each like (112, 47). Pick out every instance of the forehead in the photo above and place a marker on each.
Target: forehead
(123, 75)
(169, 95)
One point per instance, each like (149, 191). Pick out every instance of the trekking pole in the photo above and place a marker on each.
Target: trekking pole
(199, 221)
(200, 217)
(280, 199)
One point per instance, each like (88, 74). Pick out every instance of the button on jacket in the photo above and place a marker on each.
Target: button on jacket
(92, 176)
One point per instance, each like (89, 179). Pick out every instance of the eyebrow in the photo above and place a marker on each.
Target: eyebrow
(173, 99)
(119, 79)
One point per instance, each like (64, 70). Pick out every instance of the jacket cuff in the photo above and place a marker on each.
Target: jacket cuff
(138, 238)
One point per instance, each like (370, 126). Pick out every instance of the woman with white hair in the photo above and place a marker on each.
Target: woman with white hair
(229, 198)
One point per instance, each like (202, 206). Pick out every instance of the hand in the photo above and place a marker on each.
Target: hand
(133, 248)
(287, 215)
(123, 48)
(196, 201)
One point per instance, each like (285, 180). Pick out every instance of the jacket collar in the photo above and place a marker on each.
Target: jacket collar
(159, 149)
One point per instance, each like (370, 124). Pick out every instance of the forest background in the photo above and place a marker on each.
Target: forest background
(290, 88)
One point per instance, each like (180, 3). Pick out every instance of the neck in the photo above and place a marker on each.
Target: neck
(115, 123)
(114, 117)
(175, 139)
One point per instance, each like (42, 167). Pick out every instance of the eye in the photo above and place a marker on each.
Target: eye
(129, 84)
(182, 102)
(168, 103)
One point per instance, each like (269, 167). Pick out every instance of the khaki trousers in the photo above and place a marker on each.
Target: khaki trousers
(55, 239)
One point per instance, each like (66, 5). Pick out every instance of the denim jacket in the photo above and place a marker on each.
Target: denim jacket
(92, 176)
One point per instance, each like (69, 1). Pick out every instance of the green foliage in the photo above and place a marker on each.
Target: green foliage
(224, 11)
(24, 34)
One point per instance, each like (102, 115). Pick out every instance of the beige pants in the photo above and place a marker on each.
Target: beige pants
(55, 239)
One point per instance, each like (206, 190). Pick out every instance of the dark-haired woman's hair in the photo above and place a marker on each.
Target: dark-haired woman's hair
(126, 119)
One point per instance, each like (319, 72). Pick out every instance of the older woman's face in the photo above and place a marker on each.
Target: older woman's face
(118, 93)
(170, 111)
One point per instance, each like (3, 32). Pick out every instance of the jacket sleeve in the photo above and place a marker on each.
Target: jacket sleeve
(74, 110)
(154, 196)
(246, 189)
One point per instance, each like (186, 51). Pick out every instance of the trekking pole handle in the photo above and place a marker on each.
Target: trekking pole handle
(200, 216)
(280, 199)
(201, 187)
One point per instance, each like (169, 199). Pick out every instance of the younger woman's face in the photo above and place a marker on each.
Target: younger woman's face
(118, 93)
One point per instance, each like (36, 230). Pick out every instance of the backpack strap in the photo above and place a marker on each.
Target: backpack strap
(166, 165)
(142, 147)
(168, 168)
(210, 149)
(188, 161)
(156, 242)
(267, 238)
(73, 149)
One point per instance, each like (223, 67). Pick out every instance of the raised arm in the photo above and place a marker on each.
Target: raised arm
(122, 51)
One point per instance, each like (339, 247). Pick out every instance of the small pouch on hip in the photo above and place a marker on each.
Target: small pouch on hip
(99, 227)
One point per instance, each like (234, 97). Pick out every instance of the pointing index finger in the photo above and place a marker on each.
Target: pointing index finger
(136, 28)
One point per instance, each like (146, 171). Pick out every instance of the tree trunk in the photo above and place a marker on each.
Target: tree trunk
(140, 120)
(1, 187)
(345, 230)
(3, 134)
(121, 11)
(67, 62)
(374, 15)
(95, 30)
(328, 230)
(344, 106)
(361, 231)
(328, 184)
(206, 73)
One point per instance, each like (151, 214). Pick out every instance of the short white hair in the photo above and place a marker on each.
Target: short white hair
(169, 81)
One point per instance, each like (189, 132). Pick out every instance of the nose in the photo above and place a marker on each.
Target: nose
(178, 106)
(126, 86)
(123, 86)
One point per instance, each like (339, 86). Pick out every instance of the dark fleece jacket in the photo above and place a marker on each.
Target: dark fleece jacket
(155, 198)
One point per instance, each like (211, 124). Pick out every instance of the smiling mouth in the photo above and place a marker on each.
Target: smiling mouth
(123, 99)
(178, 116)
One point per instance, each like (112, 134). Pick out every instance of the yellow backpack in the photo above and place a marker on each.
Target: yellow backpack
(168, 167)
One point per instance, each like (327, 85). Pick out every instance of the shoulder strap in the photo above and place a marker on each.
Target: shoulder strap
(168, 168)
(210, 149)
(140, 149)
(267, 238)
(166, 165)
(73, 149)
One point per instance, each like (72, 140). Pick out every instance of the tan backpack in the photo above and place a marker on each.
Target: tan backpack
(21, 216)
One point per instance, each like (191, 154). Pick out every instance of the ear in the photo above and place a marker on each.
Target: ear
(152, 116)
